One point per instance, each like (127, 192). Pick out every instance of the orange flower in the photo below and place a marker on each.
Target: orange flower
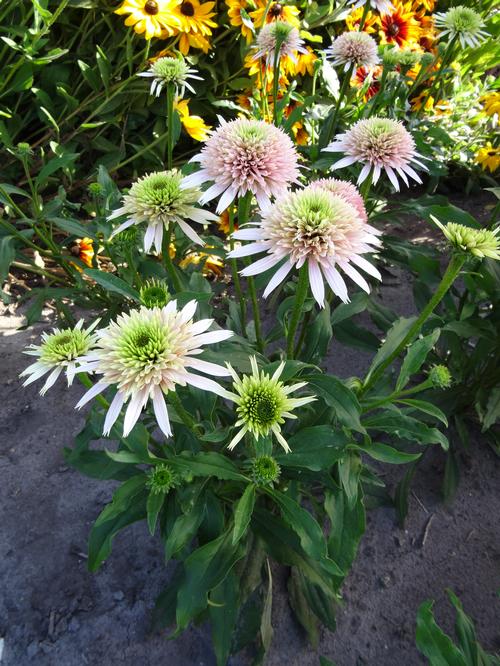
(300, 134)
(223, 225)
(278, 11)
(371, 74)
(212, 264)
(84, 250)
(400, 26)
(353, 21)
(422, 101)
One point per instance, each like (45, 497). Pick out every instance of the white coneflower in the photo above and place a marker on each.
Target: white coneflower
(245, 156)
(346, 190)
(166, 71)
(380, 144)
(461, 22)
(146, 354)
(263, 403)
(316, 227)
(59, 352)
(280, 38)
(353, 49)
(160, 199)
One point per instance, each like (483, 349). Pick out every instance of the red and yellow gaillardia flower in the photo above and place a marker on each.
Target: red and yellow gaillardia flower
(399, 26)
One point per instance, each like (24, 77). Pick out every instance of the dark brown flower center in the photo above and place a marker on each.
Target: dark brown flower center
(492, 153)
(151, 7)
(393, 29)
(275, 10)
(187, 9)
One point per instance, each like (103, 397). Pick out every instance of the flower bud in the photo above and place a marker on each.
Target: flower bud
(440, 376)
(265, 470)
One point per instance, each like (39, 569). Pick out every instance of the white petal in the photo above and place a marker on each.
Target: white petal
(149, 237)
(161, 413)
(247, 250)
(113, 412)
(133, 412)
(336, 282)
(365, 265)
(201, 216)
(51, 380)
(355, 276)
(207, 367)
(365, 172)
(158, 237)
(226, 199)
(392, 177)
(122, 227)
(344, 162)
(278, 278)
(188, 311)
(316, 282)
(249, 233)
(91, 393)
(212, 337)
(39, 372)
(200, 326)
(212, 192)
(262, 265)
(204, 383)
(194, 179)
(190, 233)
(239, 435)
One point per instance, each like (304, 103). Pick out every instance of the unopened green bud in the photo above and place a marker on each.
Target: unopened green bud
(95, 189)
(23, 150)
(440, 376)
(265, 470)
(154, 294)
(477, 242)
(162, 479)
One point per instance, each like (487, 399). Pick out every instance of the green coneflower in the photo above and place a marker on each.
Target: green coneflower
(154, 294)
(165, 71)
(162, 479)
(161, 199)
(58, 352)
(461, 22)
(265, 470)
(263, 403)
(440, 376)
(478, 242)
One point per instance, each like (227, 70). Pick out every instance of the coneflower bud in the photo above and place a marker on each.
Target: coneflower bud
(265, 470)
(440, 376)
(162, 479)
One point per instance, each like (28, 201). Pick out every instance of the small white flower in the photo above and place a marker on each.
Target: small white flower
(165, 71)
(59, 352)
(461, 22)
(161, 199)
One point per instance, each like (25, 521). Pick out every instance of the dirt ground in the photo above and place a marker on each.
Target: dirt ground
(54, 613)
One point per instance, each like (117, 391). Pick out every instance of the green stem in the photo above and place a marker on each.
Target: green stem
(364, 188)
(437, 79)
(167, 236)
(170, 121)
(366, 9)
(300, 299)
(234, 271)
(184, 415)
(397, 395)
(276, 81)
(332, 123)
(243, 215)
(303, 331)
(451, 274)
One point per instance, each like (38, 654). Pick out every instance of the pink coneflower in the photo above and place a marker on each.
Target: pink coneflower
(353, 49)
(346, 190)
(380, 144)
(311, 225)
(245, 156)
(278, 37)
(148, 353)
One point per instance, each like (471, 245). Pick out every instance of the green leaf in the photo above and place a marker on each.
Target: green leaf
(207, 464)
(71, 227)
(153, 507)
(300, 606)
(243, 513)
(266, 627)
(112, 283)
(223, 612)
(451, 477)
(406, 427)
(388, 454)
(347, 526)
(185, 528)
(7, 255)
(426, 407)
(53, 165)
(415, 358)
(205, 569)
(315, 448)
(402, 492)
(394, 337)
(123, 496)
(433, 642)
(337, 395)
(492, 409)
(349, 473)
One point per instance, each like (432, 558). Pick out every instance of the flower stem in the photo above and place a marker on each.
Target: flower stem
(449, 277)
(332, 123)
(366, 9)
(397, 395)
(243, 215)
(276, 81)
(184, 415)
(364, 188)
(234, 272)
(439, 74)
(300, 299)
(167, 236)
(170, 122)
